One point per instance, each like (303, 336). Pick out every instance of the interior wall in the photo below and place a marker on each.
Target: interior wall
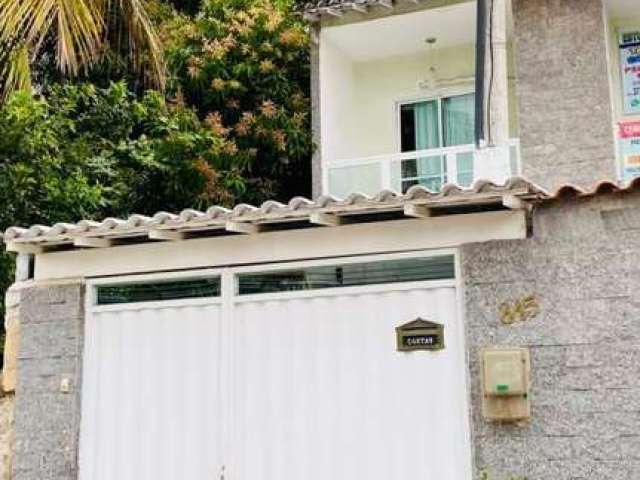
(359, 99)
(382, 83)
(336, 98)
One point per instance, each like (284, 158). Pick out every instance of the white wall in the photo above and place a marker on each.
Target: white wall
(336, 99)
(358, 99)
(356, 239)
(382, 83)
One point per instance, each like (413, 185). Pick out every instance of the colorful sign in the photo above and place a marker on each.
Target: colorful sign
(629, 136)
(630, 64)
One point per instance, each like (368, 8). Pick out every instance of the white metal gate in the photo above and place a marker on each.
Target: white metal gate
(279, 386)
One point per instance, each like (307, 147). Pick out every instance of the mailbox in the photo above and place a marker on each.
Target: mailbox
(420, 334)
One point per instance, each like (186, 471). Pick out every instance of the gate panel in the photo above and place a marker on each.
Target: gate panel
(321, 392)
(151, 394)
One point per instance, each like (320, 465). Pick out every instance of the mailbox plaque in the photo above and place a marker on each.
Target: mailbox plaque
(420, 335)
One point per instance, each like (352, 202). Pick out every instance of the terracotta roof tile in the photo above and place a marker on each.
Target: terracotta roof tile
(300, 209)
(334, 7)
(297, 209)
(603, 187)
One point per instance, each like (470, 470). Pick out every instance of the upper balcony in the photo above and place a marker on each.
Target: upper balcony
(432, 168)
(397, 103)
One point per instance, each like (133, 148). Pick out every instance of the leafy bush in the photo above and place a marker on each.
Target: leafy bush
(84, 152)
(89, 152)
(244, 66)
(237, 127)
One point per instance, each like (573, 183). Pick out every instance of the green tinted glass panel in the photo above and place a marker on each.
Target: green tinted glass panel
(459, 120)
(464, 162)
(348, 275)
(156, 291)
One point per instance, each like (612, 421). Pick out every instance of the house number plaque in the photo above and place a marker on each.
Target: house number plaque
(420, 334)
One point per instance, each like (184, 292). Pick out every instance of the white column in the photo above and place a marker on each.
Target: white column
(497, 82)
(492, 163)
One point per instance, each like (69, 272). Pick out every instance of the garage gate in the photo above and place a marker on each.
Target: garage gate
(275, 372)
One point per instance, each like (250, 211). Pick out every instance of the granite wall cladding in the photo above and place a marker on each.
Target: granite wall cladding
(564, 101)
(6, 434)
(47, 418)
(582, 264)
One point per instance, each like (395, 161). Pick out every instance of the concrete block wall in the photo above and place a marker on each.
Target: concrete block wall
(8, 380)
(564, 98)
(6, 434)
(582, 265)
(47, 418)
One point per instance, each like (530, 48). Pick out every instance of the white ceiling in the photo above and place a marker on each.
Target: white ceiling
(623, 8)
(406, 34)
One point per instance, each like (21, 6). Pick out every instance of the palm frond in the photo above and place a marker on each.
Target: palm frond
(130, 18)
(82, 30)
(78, 28)
(15, 71)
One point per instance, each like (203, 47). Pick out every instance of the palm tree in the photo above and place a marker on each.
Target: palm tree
(83, 32)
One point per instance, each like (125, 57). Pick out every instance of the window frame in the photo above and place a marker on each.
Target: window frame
(438, 97)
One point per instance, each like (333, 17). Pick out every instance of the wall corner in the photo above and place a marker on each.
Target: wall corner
(316, 159)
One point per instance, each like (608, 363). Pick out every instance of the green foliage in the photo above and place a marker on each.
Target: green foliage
(244, 65)
(84, 152)
(77, 35)
(88, 152)
(237, 127)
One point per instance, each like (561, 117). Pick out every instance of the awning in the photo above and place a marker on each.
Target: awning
(418, 202)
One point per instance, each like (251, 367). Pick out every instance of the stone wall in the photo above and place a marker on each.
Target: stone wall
(6, 434)
(47, 404)
(564, 104)
(8, 379)
(582, 264)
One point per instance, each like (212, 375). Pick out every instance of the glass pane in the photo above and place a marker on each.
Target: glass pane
(458, 119)
(419, 126)
(407, 184)
(432, 183)
(154, 291)
(428, 166)
(365, 179)
(513, 160)
(409, 168)
(396, 175)
(348, 275)
(464, 163)
(428, 171)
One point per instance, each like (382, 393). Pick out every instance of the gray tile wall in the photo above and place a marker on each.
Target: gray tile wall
(46, 419)
(564, 104)
(583, 265)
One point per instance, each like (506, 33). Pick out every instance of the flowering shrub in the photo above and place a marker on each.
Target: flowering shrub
(244, 66)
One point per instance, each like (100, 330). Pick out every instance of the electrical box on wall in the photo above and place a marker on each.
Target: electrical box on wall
(505, 384)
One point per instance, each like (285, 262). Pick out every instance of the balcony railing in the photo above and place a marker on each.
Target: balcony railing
(432, 168)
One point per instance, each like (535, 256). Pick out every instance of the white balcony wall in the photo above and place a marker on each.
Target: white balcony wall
(358, 99)
(367, 69)
(381, 84)
(336, 101)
